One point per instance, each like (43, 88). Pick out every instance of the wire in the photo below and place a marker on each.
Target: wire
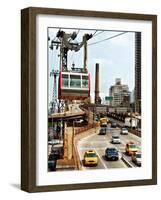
(78, 31)
(98, 33)
(107, 39)
(94, 33)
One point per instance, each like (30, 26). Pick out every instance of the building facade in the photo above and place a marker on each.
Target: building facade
(138, 72)
(120, 94)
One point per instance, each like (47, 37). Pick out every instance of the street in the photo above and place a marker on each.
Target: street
(99, 143)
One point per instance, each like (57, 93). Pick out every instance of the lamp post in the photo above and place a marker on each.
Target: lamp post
(73, 134)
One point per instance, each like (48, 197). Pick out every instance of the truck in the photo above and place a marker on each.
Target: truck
(131, 122)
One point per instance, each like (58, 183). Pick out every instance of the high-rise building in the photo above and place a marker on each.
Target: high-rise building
(138, 72)
(120, 94)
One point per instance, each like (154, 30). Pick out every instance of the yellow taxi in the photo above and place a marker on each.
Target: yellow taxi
(90, 158)
(131, 148)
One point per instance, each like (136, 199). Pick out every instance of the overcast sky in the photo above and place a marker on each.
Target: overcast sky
(115, 56)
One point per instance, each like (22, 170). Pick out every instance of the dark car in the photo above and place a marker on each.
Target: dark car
(52, 162)
(113, 125)
(111, 154)
(55, 154)
(102, 131)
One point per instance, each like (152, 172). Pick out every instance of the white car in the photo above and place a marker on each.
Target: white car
(54, 142)
(136, 158)
(115, 139)
(124, 131)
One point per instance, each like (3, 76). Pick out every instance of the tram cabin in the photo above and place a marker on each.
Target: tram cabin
(74, 85)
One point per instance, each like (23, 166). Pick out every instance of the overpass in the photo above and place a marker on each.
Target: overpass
(66, 116)
(74, 112)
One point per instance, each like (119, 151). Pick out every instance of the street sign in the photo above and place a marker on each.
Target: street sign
(108, 98)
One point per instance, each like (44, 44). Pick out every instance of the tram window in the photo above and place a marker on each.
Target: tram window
(75, 81)
(84, 81)
(65, 80)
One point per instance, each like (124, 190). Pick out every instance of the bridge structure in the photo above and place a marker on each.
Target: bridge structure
(65, 116)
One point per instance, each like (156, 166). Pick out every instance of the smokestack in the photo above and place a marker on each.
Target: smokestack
(97, 97)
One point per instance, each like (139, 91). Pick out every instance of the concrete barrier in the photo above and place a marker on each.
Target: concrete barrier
(135, 132)
(126, 161)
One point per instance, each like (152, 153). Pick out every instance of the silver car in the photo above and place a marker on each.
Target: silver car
(53, 142)
(136, 158)
(115, 139)
(124, 131)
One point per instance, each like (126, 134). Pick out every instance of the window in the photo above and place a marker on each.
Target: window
(75, 81)
(84, 81)
(65, 80)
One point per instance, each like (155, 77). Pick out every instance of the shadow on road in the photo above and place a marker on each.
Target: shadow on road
(104, 157)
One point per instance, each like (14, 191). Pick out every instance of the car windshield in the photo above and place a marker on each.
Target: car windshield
(115, 137)
(124, 129)
(91, 155)
(132, 146)
(111, 150)
(138, 155)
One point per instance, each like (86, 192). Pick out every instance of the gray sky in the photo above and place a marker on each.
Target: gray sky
(115, 56)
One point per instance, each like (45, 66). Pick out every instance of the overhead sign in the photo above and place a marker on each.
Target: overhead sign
(109, 98)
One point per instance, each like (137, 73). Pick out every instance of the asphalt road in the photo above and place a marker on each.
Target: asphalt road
(100, 142)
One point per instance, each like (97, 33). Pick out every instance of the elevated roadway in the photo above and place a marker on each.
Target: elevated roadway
(74, 112)
(100, 142)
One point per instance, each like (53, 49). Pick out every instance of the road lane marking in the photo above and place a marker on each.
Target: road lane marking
(94, 139)
(101, 159)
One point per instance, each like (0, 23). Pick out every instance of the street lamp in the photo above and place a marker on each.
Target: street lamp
(73, 134)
